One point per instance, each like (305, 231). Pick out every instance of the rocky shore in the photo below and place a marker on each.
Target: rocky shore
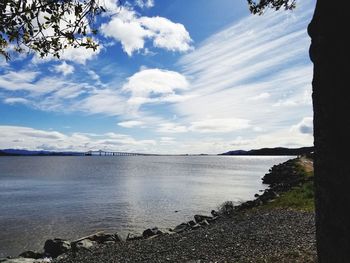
(248, 232)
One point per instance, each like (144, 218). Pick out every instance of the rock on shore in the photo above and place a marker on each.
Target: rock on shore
(55, 248)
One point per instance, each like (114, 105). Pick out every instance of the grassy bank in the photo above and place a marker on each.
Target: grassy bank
(300, 197)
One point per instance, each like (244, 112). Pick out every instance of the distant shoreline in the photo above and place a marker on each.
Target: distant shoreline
(277, 151)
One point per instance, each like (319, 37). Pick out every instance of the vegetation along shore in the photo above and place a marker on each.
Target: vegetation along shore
(277, 226)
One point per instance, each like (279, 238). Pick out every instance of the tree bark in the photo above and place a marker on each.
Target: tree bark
(329, 52)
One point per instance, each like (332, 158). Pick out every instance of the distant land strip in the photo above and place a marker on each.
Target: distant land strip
(273, 151)
(263, 151)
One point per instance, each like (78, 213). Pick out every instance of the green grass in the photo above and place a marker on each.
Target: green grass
(300, 169)
(301, 198)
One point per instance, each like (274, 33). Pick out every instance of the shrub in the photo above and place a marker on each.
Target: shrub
(226, 208)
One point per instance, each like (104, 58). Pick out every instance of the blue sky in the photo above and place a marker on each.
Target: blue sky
(169, 77)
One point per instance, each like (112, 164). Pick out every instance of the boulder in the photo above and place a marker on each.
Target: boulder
(200, 218)
(204, 223)
(31, 254)
(196, 226)
(84, 244)
(181, 228)
(191, 223)
(131, 237)
(214, 213)
(227, 208)
(213, 219)
(24, 260)
(103, 238)
(151, 232)
(247, 205)
(56, 247)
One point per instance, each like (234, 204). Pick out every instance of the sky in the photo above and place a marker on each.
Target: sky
(169, 77)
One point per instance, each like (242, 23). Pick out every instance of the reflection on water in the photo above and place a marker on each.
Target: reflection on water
(69, 197)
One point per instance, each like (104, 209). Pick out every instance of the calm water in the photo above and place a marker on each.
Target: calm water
(69, 197)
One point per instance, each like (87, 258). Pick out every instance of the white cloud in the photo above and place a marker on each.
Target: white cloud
(144, 3)
(282, 138)
(169, 127)
(125, 28)
(3, 62)
(166, 34)
(36, 86)
(167, 141)
(57, 93)
(155, 85)
(261, 96)
(132, 31)
(16, 101)
(239, 142)
(105, 101)
(64, 68)
(115, 139)
(301, 98)
(305, 126)
(155, 81)
(262, 112)
(21, 80)
(25, 137)
(45, 93)
(80, 55)
(219, 125)
(77, 55)
(93, 75)
(130, 124)
(257, 69)
(33, 139)
(111, 6)
(251, 81)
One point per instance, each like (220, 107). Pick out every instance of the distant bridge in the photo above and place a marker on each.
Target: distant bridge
(108, 153)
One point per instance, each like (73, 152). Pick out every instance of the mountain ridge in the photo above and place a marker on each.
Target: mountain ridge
(272, 151)
(24, 152)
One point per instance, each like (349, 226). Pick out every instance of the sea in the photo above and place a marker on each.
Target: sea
(45, 197)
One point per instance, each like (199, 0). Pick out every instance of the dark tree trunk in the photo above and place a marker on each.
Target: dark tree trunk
(329, 52)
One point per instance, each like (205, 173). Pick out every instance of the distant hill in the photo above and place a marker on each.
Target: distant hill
(2, 153)
(263, 151)
(22, 152)
(272, 151)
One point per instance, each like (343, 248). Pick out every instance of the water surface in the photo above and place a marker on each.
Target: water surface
(69, 197)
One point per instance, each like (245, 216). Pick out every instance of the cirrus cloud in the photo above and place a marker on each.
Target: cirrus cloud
(16, 100)
(130, 124)
(64, 68)
(144, 3)
(219, 125)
